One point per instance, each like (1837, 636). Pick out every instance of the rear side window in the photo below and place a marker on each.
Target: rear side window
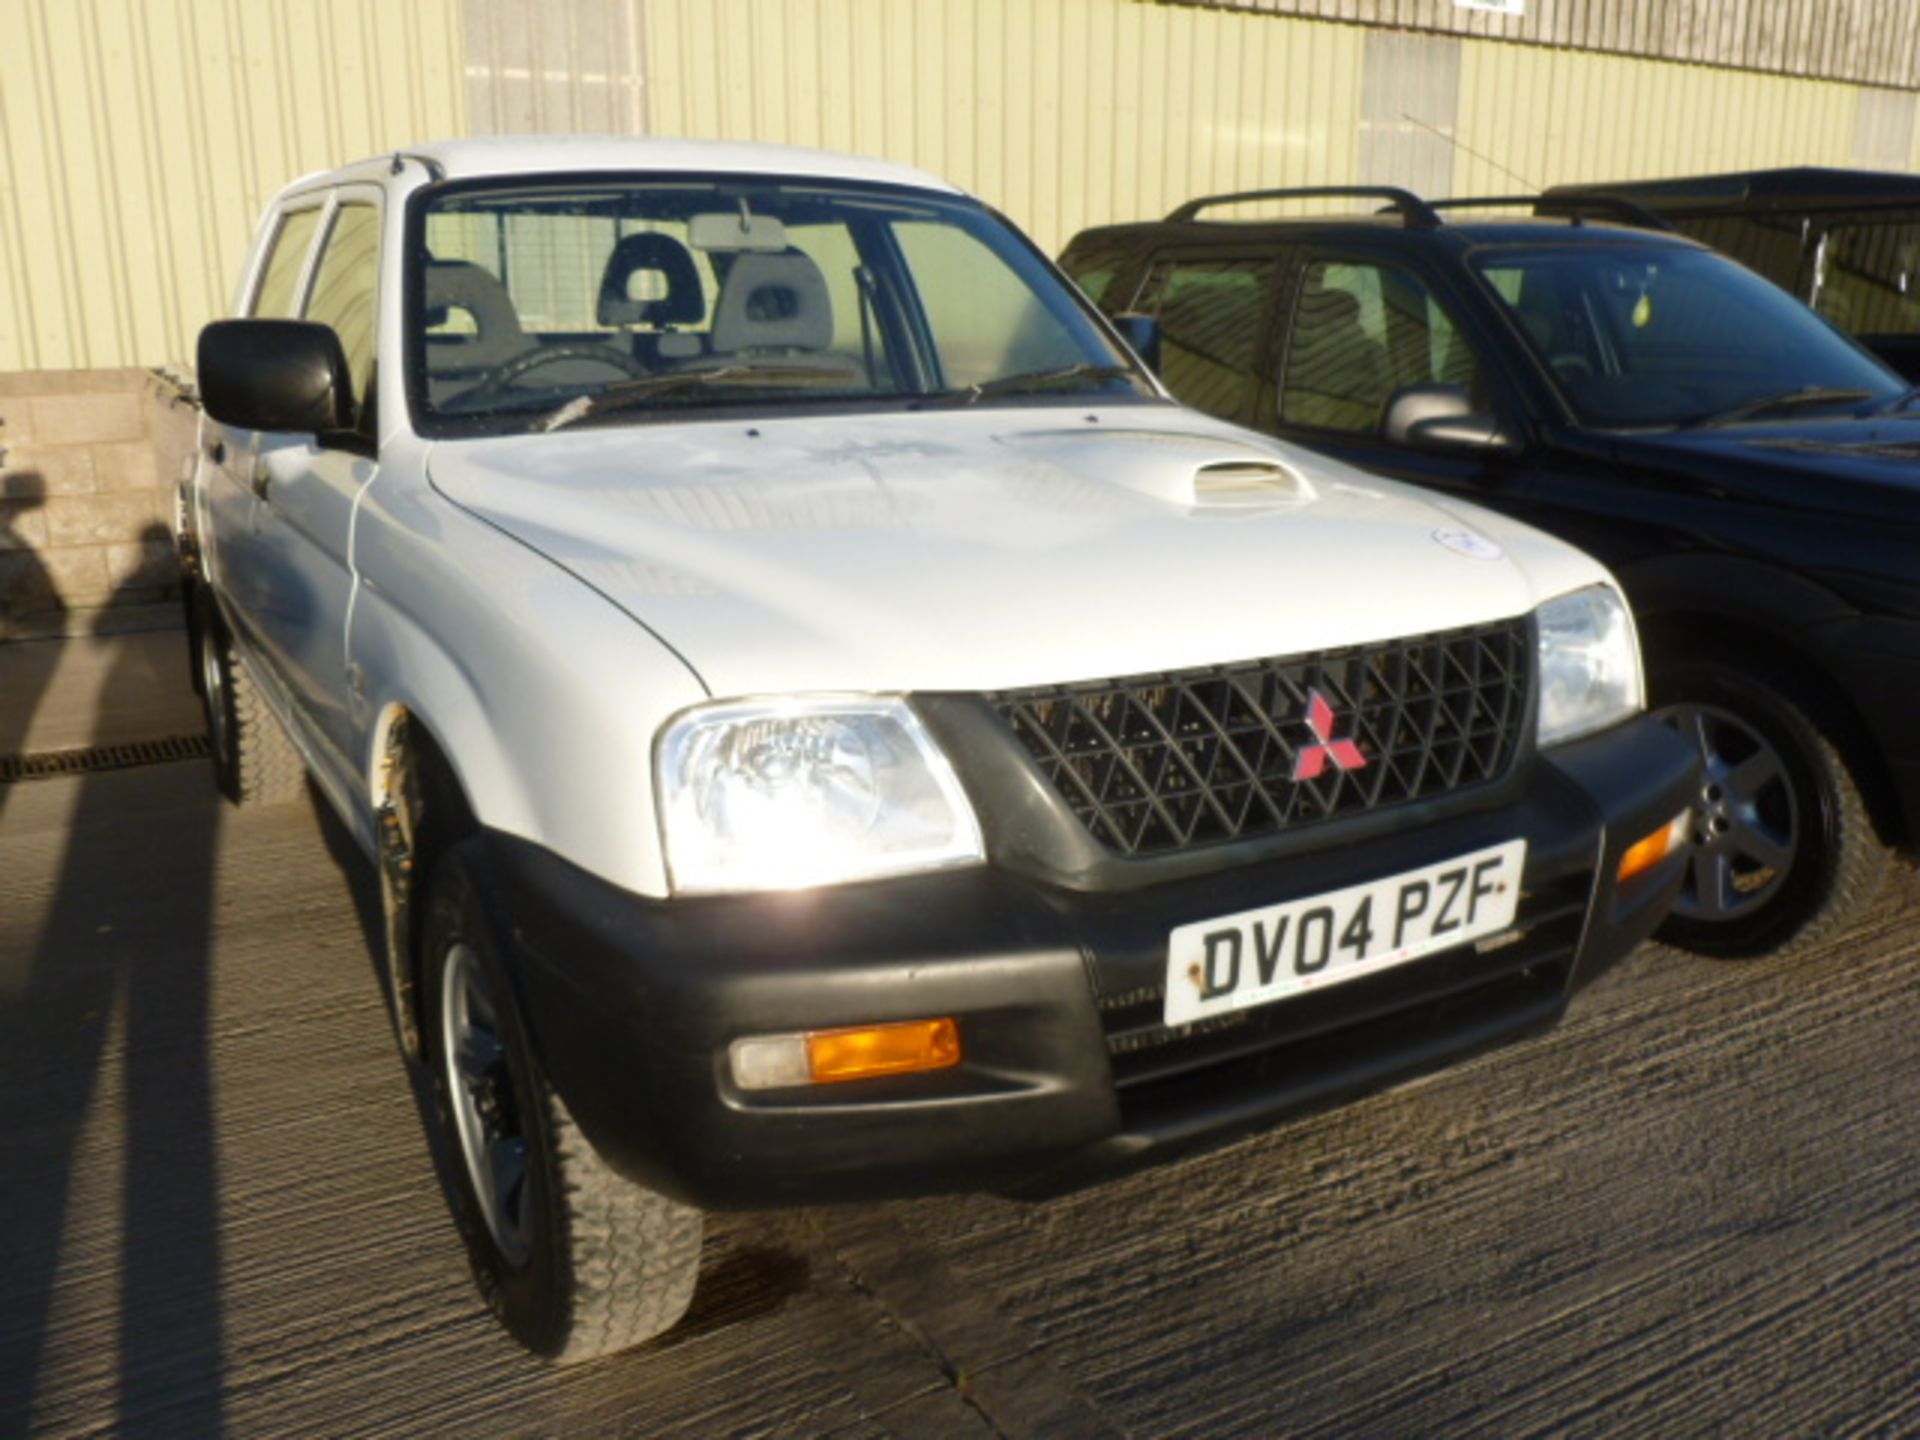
(1361, 333)
(1212, 314)
(275, 298)
(343, 290)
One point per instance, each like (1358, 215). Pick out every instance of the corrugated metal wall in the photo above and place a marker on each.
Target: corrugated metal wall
(1874, 41)
(545, 65)
(140, 138)
(1548, 116)
(1068, 113)
(1064, 113)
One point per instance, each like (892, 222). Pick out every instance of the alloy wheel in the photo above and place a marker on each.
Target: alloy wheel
(480, 1090)
(1745, 818)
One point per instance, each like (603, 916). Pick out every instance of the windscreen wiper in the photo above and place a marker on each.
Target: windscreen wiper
(628, 394)
(1035, 382)
(1792, 400)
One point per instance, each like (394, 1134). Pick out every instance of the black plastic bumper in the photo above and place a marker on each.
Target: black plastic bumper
(1067, 1072)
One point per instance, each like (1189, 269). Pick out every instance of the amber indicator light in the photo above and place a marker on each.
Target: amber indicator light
(869, 1050)
(1646, 853)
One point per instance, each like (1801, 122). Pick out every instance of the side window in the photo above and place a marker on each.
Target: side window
(986, 320)
(1361, 333)
(1870, 278)
(1212, 314)
(274, 298)
(1093, 268)
(343, 290)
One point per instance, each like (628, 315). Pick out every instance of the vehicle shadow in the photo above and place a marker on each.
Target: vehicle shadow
(105, 1057)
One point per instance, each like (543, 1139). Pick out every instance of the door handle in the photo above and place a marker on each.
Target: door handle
(262, 478)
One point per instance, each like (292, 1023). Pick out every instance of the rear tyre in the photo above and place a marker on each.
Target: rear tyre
(1784, 854)
(191, 602)
(576, 1261)
(254, 762)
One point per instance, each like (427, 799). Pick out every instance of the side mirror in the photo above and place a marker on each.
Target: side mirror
(275, 375)
(1142, 333)
(1442, 417)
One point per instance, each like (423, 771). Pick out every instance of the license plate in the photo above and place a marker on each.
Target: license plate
(1260, 956)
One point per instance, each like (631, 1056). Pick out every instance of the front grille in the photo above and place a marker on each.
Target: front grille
(1155, 764)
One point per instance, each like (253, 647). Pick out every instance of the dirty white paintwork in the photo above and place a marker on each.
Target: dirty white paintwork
(979, 550)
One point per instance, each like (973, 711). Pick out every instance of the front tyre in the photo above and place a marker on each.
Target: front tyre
(1784, 854)
(574, 1260)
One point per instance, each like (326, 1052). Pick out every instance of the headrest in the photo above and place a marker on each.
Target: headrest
(463, 285)
(683, 304)
(773, 302)
(1333, 307)
(496, 335)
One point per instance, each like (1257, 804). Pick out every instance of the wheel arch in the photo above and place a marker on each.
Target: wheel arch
(1780, 652)
(422, 809)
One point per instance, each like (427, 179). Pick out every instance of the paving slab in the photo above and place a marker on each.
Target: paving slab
(76, 691)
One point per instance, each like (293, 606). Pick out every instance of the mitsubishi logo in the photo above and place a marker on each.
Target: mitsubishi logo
(1312, 760)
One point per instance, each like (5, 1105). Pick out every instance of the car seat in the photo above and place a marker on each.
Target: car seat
(457, 356)
(684, 303)
(775, 305)
(1337, 377)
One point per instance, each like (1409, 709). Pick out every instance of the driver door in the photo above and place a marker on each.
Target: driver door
(306, 488)
(1359, 328)
(1359, 331)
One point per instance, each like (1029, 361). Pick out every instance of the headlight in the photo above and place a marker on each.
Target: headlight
(1589, 664)
(781, 794)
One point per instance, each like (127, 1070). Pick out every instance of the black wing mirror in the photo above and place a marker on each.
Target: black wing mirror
(1442, 417)
(1142, 332)
(275, 375)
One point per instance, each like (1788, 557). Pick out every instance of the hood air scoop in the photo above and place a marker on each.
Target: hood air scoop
(1245, 482)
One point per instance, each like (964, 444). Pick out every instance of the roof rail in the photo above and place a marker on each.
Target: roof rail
(1570, 205)
(1419, 214)
(435, 170)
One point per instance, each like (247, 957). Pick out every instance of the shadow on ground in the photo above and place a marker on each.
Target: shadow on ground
(123, 951)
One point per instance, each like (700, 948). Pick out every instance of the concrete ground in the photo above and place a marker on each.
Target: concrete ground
(102, 689)
(1693, 1209)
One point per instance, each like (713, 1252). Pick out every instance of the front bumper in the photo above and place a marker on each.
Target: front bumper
(1067, 1073)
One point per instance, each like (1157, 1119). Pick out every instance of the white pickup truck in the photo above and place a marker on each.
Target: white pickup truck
(829, 726)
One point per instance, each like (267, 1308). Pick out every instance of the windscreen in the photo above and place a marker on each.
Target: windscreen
(537, 306)
(1641, 337)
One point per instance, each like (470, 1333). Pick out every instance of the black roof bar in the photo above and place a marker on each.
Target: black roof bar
(1571, 205)
(1419, 214)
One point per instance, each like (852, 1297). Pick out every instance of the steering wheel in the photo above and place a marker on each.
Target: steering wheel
(507, 371)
